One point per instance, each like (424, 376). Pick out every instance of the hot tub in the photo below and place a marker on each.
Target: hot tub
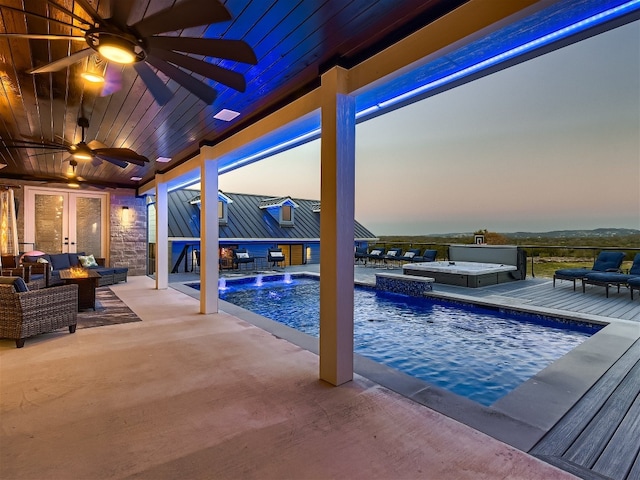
(464, 274)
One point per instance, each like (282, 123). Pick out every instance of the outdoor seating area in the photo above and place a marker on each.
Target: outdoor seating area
(605, 272)
(393, 257)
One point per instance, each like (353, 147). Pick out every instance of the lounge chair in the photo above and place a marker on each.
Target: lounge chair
(361, 255)
(376, 255)
(427, 256)
(241, 256)
(275, 256)
(393, 255)
(409, 255)
(607, 261)
(607, 279)
(634, 284)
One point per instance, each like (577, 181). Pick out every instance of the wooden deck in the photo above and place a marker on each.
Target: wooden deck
(600, 436)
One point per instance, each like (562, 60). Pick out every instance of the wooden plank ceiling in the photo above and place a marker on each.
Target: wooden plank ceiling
(294, 42)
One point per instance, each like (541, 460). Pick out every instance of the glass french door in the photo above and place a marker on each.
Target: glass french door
(59, 221)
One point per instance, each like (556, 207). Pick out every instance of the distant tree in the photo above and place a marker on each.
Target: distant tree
(492, 238)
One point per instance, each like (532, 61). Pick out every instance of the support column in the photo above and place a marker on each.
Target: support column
(209, 237)
(162, 234)
(337, 228)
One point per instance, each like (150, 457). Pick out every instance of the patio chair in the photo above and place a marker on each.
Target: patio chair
(607, 261)
(25, 313)
(376, 255)
(409, 255)
(634, 284)
(607, 279)
(392, 255)
(275, 256)
(361, 255)
(427, 256)
(241, 257)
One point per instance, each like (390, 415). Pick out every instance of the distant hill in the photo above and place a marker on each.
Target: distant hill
(597, 232)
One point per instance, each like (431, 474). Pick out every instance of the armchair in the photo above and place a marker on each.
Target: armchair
(25, 313)
(275, 256)
(240, 256)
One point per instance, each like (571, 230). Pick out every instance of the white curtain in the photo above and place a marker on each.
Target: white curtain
(8, 224)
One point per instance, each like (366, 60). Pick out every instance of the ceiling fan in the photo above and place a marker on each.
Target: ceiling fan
(138, 44)
(94, 151)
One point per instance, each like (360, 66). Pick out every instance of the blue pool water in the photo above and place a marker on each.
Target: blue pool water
(476, 352)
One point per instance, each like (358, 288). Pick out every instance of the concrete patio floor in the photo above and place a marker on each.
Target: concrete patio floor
(185, 395)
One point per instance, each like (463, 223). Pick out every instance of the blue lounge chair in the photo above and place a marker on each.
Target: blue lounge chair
(376, 255)
(634, 284)
(361, 255)
(607, 261)
(393, 255)
(275, 256)
(241, 257)
(427, 256)
(409, 255)
(607, 279)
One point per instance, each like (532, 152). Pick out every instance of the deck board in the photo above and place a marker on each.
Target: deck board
(600, 433)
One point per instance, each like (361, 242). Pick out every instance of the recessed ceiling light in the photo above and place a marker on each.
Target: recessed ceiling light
(136, 179)
(92, 77)
(163, 159)
(226, 115)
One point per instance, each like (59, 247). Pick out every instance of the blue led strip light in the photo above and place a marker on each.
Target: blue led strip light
(509, 54)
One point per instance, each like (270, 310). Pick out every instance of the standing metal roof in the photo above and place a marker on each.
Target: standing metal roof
(247, 221)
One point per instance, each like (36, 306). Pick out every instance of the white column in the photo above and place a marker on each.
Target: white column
(162, 234)
(209, 237)
(337, 229)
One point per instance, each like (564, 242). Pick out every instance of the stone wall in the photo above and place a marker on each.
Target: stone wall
(128, 242)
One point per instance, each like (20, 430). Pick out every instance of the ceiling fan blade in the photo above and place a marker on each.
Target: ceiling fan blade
(189, 13)
(126, 155)
(158, 89)
(206, 69)
(236, 50)
(95, 161)
(39, 36)
(95, 144)
(195, 86)
(63, 62)
(115, 161)
(36, 145)
(120, 10)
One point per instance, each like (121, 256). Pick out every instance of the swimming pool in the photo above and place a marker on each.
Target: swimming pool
(476, 352)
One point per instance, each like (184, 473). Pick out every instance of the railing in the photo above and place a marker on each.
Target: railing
(588, 253)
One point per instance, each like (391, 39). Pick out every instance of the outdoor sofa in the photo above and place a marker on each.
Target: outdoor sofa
(63, 261)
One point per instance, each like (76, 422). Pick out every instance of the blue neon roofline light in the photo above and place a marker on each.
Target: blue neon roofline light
(529, 46)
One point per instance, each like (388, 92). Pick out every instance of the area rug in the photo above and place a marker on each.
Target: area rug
(110, 310)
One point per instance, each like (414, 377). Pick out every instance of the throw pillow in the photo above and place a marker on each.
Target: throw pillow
(376, 252)
(410, 254)
(276, 254)
(17, 282)
(42, 260)
(242, 255)
(87, 261)
(392, 253)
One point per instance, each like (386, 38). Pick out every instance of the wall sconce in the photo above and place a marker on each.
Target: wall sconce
(124, 216)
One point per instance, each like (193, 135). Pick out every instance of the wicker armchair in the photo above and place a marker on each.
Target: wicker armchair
(24, 314)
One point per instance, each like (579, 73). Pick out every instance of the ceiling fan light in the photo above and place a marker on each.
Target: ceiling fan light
(116, 49)
(81, 152)
(92, 77)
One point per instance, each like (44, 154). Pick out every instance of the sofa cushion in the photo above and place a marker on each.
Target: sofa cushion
(17, 282)
(74, 259)
(35, 258)
(60, 261)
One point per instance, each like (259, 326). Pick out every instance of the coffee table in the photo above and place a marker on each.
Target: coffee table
(86, 286)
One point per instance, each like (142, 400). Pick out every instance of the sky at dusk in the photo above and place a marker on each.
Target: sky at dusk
(551, 144)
